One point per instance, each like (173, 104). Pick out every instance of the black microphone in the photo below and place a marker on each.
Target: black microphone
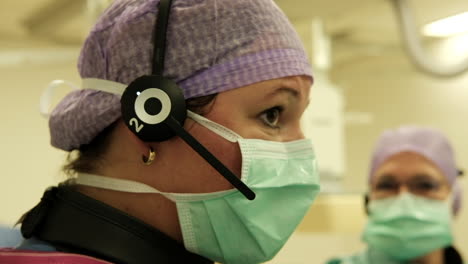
(158, 69)
(210, 158)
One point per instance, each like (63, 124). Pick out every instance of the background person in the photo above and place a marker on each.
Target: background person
(413, 197)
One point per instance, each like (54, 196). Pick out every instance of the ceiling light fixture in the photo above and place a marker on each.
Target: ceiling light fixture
(447, 26)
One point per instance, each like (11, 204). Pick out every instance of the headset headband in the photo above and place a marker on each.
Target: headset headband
(159, 35)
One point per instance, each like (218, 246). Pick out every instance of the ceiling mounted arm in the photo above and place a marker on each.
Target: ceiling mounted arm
(412, 41)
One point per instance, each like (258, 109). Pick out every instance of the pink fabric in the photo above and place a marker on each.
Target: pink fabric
(13, 256)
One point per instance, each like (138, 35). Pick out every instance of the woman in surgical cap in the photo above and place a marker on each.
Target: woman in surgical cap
(413, 198)
(226, 179)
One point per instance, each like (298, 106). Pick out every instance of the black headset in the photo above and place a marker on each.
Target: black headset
(153, 107)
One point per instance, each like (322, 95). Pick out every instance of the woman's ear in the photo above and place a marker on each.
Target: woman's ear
(141, 145)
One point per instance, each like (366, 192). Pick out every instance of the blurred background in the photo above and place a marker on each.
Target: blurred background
(366, 80)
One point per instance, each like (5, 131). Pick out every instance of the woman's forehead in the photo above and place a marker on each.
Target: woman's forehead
(296, 86)
(407, 165)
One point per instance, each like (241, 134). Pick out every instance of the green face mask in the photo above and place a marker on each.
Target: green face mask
(408, 226)
(225, 226)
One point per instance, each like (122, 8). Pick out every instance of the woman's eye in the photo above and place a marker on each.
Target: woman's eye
(387, 186)
(271, 116)
(426, 186)
(423, 183)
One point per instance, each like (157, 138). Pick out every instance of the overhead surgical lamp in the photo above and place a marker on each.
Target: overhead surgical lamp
(412, 41)
(447, 27)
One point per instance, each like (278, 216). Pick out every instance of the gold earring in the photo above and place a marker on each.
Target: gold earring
(148, 160)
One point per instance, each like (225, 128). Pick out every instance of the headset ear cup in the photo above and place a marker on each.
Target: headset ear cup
(148, 102)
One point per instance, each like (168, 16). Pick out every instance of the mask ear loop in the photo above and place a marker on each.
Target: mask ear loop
(45, 101)
(218, 129)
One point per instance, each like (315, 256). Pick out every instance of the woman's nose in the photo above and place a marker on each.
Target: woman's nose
(403, 189)
(294, 133)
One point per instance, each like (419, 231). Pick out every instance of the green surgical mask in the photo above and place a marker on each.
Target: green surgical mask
(225, 226)
(408, 226)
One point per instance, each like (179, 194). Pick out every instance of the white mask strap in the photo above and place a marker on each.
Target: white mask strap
(128, 186)
(103, 85)
(113, 184)
(45, 101)
(218, 129)
(118, 88)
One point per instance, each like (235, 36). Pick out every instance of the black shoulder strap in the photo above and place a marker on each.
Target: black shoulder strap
(75, 223)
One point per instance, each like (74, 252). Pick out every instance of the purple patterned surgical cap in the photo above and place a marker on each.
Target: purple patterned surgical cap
(212, 46)
(428, 142)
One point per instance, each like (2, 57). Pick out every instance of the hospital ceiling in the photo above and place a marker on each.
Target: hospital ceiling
(357, 26)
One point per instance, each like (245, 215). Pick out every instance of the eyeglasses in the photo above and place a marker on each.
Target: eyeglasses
(422, 184)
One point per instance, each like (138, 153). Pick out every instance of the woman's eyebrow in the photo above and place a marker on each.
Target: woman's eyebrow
(291, 92)
(386, 177)
(285, 89)
(424, 176)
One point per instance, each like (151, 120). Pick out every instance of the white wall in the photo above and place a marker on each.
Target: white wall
(29, 164)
